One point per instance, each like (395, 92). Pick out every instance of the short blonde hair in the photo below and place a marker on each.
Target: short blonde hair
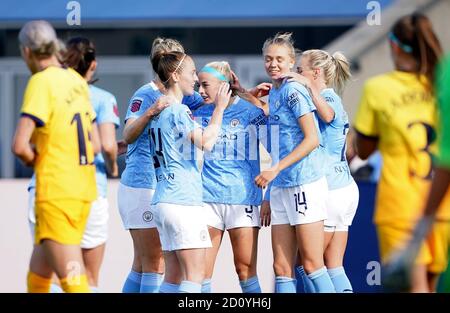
(40, 37)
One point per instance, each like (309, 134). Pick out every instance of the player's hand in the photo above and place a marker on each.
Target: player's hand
(223, 96)
(122, 147)
(265, 213)
(263, 179)
(160, 104)
(396, 273)
(261, 90)
(235, 84)
(296, 77)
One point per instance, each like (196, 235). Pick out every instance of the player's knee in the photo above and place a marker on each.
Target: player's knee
(331, 260)
(311, 265)
(92, 277)
(245, 270)
(282, 269)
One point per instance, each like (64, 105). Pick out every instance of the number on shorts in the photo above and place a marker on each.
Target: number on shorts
(300, 202)
(158, 159)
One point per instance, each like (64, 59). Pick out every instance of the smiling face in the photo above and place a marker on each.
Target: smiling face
(187, 78)
(277, 61)
(209, 87)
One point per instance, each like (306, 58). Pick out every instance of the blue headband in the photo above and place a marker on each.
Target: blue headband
(215, 73)
(404, 47)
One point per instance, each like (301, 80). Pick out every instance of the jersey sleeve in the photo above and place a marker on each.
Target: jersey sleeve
(443, 91)
(365, 122)
(298, 100)
(92, 114)
(109, 112)
(184, 120)
(37, 100)
(193, 102)
(333, 103)
(138, 105)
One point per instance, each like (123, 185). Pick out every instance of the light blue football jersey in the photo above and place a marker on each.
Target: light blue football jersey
(230, 168)
(105, 107)
(139, 171)
(177, 174)
(286, 104)
(334, 135)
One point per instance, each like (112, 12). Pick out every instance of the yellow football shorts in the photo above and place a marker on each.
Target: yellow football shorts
(433, 253)
(62, 220)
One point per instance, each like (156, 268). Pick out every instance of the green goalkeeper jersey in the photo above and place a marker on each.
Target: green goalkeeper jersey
(443, 93)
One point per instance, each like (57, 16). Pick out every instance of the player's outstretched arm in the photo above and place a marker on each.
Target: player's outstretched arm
(325, 111)
(135, 126)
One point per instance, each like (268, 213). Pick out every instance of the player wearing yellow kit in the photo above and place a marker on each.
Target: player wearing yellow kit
(54, 135)
(398, 115)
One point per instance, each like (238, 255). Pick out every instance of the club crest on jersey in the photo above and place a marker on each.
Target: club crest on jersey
(136, 105)
(277, 104)
(234, 122)
(205, 122)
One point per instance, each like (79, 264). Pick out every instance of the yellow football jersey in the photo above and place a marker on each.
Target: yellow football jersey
(401, 112)
(58, 101)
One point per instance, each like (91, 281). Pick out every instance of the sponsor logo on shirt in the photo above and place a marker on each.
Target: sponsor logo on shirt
(293, 100)
(136, 105)
(259, 120)
(274, 117)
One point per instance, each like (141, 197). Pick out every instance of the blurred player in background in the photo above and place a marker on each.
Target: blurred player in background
(54, 136)
(230, 195)
(437, 207)
(178, 198)
(325, 76)
(397, 115)
(80, 55)
(138, 181)
(299, 187)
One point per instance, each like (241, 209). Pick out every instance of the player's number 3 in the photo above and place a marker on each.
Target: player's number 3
(431, 137)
